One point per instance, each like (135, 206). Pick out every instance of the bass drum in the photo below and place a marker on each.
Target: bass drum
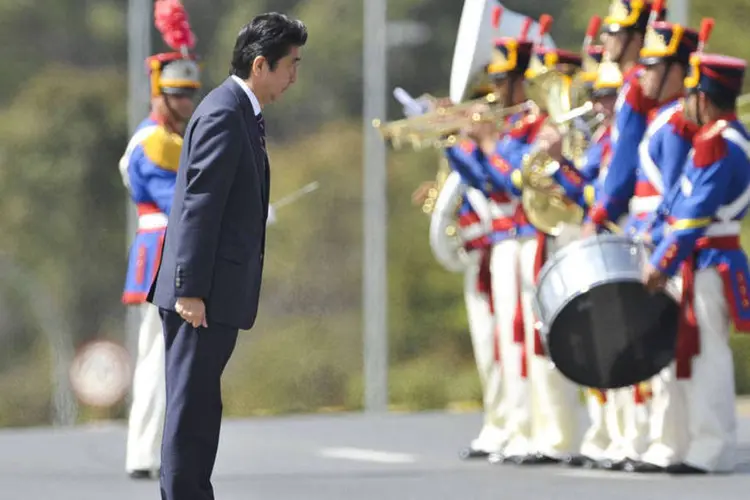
(600, 326)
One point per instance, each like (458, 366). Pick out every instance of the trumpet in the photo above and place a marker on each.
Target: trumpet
(443, 126)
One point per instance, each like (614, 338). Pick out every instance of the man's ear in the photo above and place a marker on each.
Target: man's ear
(259, 63)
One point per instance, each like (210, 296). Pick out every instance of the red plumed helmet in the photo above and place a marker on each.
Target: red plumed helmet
(173, 72)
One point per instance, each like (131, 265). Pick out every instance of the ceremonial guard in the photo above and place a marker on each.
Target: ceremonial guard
(643, 183)
(149, 169)
(701, 240)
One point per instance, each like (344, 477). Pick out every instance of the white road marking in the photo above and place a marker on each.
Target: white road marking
(363, 455)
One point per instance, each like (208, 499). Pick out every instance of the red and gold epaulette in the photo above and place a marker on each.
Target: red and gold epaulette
(682, 126)
(638, 100)
(709, 145)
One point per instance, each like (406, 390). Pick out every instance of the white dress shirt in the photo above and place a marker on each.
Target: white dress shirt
(250, 95)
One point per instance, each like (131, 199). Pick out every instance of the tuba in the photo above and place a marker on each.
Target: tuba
(445, 243)
(472, 54)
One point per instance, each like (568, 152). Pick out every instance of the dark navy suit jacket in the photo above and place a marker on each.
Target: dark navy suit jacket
(216, 232)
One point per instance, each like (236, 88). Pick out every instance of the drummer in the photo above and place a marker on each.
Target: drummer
(703, 240)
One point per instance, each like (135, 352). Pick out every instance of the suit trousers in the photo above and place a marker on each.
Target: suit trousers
(195, 361)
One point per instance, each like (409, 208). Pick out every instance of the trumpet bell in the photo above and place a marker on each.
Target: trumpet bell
(544, 201)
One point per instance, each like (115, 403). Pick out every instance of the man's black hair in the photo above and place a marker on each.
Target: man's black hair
(269, 35)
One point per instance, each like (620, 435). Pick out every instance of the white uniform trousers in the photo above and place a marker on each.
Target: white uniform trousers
(598, 437)
(698, 414)
(146, 420)
(627, 424)
(484, 338)
(505, 276)
(548, 422)
(555, 402)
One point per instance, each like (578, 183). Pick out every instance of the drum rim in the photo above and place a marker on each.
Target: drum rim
(573, 246)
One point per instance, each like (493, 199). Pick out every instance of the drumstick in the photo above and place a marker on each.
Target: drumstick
(286, 200)
(613, 228)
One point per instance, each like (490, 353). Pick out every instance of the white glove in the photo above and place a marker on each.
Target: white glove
(271, 220)
(411, 106)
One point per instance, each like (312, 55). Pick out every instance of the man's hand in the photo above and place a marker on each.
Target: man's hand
(192, 310)
(654, 279)
(550, 140)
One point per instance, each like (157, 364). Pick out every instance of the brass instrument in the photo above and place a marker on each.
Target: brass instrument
(543, 199)
(443, 126)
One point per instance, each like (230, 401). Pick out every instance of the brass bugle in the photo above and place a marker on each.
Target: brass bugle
(440, 129)
(397, 127)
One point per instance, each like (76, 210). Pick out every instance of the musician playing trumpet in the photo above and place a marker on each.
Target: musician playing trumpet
(700, 238)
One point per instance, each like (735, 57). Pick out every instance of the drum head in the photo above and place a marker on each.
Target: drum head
(614, 335)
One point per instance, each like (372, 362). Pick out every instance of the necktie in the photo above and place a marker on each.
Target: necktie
(262, 127)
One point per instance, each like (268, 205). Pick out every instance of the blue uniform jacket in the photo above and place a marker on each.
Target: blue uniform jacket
(703, 213)
(149, 169)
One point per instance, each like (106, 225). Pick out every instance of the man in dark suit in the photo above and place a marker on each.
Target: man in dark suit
(208, 282)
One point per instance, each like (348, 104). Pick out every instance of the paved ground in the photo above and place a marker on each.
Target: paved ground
(347, 457)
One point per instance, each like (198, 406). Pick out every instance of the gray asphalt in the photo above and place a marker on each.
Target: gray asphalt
(343, 456)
